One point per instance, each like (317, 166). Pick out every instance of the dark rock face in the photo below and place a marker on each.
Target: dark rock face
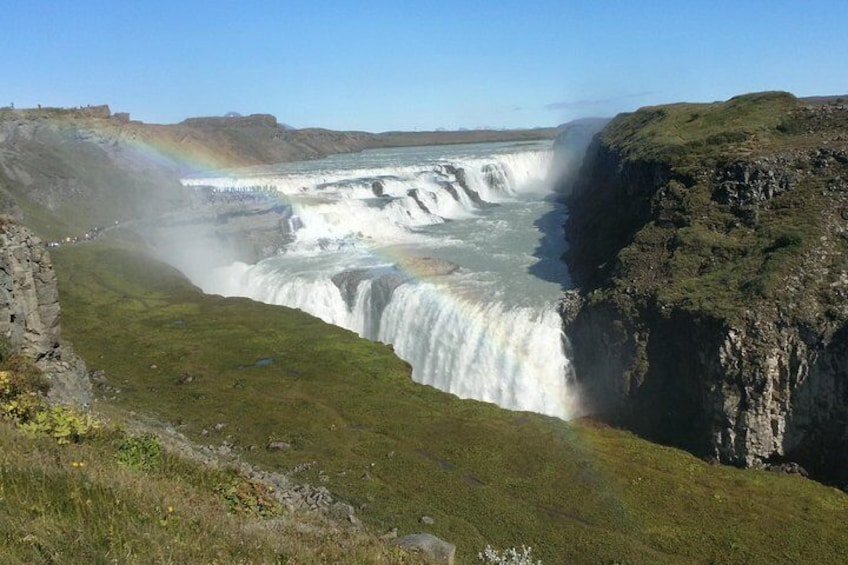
(415, 195)
(611, 211)
(745, 373)
(383, 284)
(748, 187)
(29, 314)
(743, 395)
(378, 188)
(746, 184)
(462, 180)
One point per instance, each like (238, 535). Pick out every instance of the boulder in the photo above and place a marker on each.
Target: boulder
(378, 188)
(439, 550)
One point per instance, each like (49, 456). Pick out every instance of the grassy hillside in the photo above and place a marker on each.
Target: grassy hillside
(79, 504)
(244, 373)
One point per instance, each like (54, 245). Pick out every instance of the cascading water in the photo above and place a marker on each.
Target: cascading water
(431, 250)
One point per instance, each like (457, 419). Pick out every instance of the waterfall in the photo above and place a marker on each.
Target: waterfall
(427, 249)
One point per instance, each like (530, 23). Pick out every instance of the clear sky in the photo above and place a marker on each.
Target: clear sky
(378, 65)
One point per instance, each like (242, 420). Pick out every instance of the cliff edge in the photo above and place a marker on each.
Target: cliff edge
(709, 243)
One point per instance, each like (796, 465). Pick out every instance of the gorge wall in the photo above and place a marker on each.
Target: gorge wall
(709, 243)
(30, 315)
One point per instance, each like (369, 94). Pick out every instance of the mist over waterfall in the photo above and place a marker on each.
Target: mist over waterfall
(435, 250)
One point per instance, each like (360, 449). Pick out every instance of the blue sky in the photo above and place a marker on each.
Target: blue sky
(380, 65)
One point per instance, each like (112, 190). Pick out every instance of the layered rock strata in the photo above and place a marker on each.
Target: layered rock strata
(30, 315)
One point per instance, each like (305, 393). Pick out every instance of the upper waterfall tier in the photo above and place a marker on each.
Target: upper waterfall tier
(383, 195)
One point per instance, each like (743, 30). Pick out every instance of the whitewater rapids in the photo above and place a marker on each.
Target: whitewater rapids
(449, 253)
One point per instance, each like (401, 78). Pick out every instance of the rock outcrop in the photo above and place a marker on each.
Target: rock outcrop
(710, 249)
(30, 317)
(438, 550)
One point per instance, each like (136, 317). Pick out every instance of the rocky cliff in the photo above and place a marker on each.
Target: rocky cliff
(29, 314)
(64, 172)
(710, 247)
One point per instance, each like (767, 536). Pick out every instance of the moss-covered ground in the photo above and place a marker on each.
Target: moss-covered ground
(236, 371)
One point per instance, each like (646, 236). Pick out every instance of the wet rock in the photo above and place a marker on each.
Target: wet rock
(416, 196)
(428, 266)
(495, 177)
(569, 306)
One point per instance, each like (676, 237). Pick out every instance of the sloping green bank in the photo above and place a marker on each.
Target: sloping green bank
(78, 504)
(249, 373)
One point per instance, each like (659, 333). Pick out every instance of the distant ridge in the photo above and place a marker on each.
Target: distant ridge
(257, 139)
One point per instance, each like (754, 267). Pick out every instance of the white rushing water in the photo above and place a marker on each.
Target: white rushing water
(378, 237)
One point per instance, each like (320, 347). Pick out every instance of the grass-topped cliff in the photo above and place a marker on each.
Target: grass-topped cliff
(710, 244)
(717, 245)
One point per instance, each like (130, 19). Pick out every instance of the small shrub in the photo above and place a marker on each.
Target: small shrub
(22, 389)
(787, 240)
(23, 374)
(790, 126)
(727, 137)
(248, 497)
(5, 346)
(509, 556)
(18, 406)
(62, 423)
(140, 452)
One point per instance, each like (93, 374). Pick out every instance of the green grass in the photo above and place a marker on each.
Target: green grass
(79, 504)
(77, 489)
(682, 246)
(397, 450)
(690, 134)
